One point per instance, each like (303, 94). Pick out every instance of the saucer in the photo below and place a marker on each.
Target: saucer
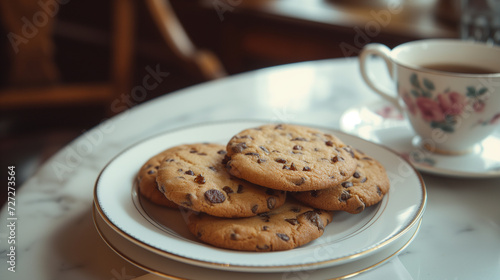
(382, 123)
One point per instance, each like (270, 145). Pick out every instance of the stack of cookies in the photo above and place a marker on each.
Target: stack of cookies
(271, 188)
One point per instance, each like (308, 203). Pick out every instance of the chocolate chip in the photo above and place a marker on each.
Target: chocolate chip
(329, 143)
(221, 152)
(344, 196)
(283, 236)
(363, 180)
(238, 148)
(349, 150)
(200, 179)
(260, 160)
(314, 193)
(252, 154)
(279, 126)
(342, 173)
(193, 151)
(347, 184)
(314, 218)
(379, 191)
(292, 221)
(265, 228)
(293, 167)
(264, 149)
(212, 168)
(227, 189)
(297, 147)
(188, 201)
(306, 168)
(202, 154)
(356, 175)
(148, 166)
(280, 160)
(215, 196)
(299, 139)
(240, 188)
(169, 160)
(265, 217)
(286, 167)
(271, 202)
(189, 172)
(234, 236)
(300, 181)
(255, 208)
(337, 159)
(262, 247)
(295, 209)
(152, 171)
(226, 159)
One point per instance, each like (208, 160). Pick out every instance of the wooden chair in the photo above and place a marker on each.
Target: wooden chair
(192, 58)
(46, 91)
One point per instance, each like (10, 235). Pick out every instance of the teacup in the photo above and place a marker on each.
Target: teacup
(448, 89)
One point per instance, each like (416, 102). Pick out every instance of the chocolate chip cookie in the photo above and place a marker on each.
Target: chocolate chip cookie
(366, 187)
(289, 157)
(194, 176)
(287, 227)
(146, 179)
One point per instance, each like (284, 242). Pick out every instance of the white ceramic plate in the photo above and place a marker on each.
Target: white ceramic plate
(348, 238)
(170, 269)
(381, 123)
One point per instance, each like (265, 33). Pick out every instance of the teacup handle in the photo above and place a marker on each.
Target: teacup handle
(383, 52)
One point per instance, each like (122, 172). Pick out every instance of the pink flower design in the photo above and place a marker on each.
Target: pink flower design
(452, 103)
(412, 108)
(478, 106)
(430, 109)
(495, 119)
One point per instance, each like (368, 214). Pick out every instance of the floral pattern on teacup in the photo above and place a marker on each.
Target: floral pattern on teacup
(493, 120)
(442, 110)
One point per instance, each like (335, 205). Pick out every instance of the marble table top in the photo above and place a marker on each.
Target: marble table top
(52, 223)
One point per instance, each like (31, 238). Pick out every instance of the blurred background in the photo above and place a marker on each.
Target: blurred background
(67, 65)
